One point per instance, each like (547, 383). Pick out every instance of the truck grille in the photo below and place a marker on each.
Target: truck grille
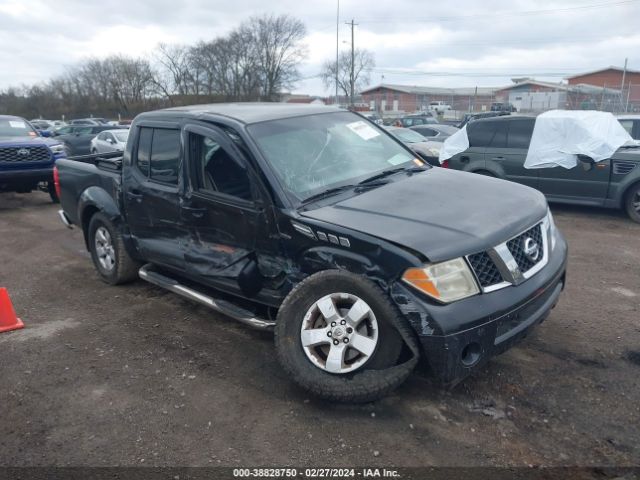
(517, 248)
(622, 168)
(37, 153)
(494, 268)
(485, 269)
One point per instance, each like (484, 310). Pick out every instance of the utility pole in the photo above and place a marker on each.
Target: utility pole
(352, 79)
(624, 74)
(337, 45)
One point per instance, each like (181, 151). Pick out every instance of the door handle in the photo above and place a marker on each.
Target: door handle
(497, 158)
(464, 159)
(134, 195)
(194, 212)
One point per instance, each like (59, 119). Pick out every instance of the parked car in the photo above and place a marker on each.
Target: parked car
(436, 133)
(109, 141)
(428, 150)
(418, 119)
(372, 117)
(471, 117)
(89, 121)
(498, 147)
(43, 127)
(503, 107)
(77, 138)
(26, 158)
(631, 124)
(370, 258)
(439, 107)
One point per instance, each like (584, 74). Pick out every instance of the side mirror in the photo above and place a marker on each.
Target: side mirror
(586, 162)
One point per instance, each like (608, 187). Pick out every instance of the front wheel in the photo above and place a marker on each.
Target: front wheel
(337, 336)
(109, 255)
(632, 203)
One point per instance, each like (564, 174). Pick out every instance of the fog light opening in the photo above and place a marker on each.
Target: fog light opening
(470, 354)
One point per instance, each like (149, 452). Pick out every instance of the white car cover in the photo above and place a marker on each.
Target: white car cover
(456, 143)
(559, 136)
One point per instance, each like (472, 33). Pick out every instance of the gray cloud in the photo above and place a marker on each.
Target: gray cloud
(415, 42)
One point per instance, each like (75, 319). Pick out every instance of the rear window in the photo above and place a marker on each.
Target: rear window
(165, 155)
(520, 132)
(480, 133)
(15, 127)
(499, 139)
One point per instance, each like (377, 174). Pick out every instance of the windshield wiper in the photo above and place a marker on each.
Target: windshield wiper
(389, 172)
(327, 193)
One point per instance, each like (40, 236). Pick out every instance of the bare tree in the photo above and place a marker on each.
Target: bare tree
(279, 51)
(364, 62)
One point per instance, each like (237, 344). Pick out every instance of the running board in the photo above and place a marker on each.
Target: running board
(221, 306)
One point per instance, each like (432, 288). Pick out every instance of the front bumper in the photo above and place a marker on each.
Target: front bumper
(10, 179)
(460, 337)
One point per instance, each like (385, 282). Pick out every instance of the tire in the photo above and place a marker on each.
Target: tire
(119, 267)
(632, 203)
(377, 374)
(51, 189)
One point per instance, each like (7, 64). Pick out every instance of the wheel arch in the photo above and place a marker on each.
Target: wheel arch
(93, 200)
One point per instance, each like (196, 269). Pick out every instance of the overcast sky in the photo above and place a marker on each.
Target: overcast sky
(415, 42)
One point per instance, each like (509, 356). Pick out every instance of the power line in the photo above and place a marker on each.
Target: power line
(521, 13)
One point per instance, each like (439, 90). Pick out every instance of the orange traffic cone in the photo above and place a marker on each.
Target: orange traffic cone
(8, 319)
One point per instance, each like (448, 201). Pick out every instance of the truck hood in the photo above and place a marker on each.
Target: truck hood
(440, 213)
(22, 141)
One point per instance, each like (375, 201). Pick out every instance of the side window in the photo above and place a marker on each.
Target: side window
(144, 150)
(499, 139)
(628, 125)
(101, 136)
(480, 133)
(165, 155)
(520, 132)
(83, 130)
(216, 170)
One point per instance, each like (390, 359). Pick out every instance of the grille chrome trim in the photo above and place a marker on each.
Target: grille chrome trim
(506, 263)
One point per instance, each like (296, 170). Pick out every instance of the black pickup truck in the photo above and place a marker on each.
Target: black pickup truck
(320, 225)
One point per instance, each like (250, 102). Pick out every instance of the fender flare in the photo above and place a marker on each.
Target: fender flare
(97, 199)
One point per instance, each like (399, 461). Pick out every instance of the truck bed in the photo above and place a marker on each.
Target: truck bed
(87, 175)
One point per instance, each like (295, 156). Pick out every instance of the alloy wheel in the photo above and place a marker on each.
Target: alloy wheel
(339, 333)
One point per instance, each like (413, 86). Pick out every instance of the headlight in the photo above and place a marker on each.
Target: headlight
(58, 148)
(446, 281)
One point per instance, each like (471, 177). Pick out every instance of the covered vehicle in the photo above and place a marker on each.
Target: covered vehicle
(320, 225)
(26, 158)
(584, 158)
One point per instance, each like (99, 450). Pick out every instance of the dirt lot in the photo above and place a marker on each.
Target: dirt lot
(136, 376)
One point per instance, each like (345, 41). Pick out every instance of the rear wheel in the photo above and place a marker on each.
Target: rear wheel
(336, 336)
(632, 202)
(109, 255)
(51, 189)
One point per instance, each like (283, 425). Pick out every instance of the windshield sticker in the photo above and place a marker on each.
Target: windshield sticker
(17, 124)
(397, 159)
(364, 131)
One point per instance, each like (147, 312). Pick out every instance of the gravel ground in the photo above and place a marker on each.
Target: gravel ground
(134, 375)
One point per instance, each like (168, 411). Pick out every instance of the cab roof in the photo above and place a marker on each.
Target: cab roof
(248, 112)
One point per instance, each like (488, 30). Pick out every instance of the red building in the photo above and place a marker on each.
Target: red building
(387, 98)
(612, 77)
